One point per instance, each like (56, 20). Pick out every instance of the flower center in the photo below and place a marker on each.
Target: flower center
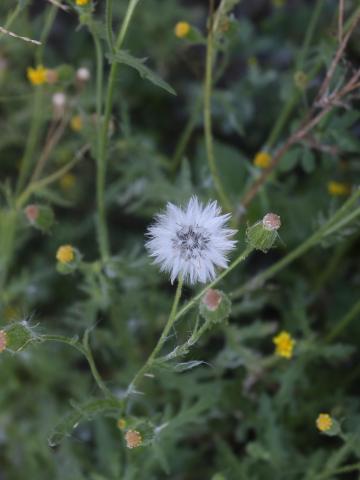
(191, 241)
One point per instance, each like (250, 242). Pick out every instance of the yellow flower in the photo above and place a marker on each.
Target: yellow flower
(121, 423)
(301, 79)
(82, 2)
(76, 123)
(262, 160)
(278, 3)
(337, 189)
(65, 254)
(3, 340)
(133, 439)
(324, 422)
(284, 344)
(67, 181)
(37, 76)
(182, 29)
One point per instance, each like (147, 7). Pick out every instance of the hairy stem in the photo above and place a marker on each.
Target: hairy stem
(165, 333)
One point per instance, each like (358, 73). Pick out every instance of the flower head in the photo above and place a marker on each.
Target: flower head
(3, 340)
(324, 422)
(121, 423)
(82, 2)
(182, 29)
(191, 241)
(133, 439)
(83, 74)
(38, 75)
(337, 189)
(65, 254)
(262, 160)
(284, 344)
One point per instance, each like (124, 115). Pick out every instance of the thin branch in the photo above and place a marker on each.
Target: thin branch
(341, 20)
(14, 35)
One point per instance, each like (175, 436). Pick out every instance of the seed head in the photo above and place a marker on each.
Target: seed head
(83, 74)
(191, 241)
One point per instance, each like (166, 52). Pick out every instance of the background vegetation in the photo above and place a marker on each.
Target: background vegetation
(167, 113)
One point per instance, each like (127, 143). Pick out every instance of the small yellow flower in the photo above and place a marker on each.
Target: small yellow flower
(278, 3)
(76, 123)
(65, 254)
(301, 80)
(82, 2)
(37, 76)
(284, 344)
(67, 181)
(337, 189)
(324, 422)
(121, 423)
(133, 439)
(182, 29)
(262, 160)
(3, 340)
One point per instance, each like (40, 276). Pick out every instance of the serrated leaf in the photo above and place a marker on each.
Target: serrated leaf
(138, 64)
(83, 412)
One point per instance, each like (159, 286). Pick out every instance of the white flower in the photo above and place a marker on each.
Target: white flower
(192, 241)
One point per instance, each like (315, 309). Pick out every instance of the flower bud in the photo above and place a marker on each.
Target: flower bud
(215, 306)
(68, 259)
(262, 235)
(133, 439)
(3, 340)
(18, 335)
(40, 216)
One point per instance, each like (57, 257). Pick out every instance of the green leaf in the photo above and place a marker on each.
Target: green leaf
(138, 64)
(308, 161)
(83, 412)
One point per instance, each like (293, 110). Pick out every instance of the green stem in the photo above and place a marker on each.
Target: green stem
(209, 142)
(103, 140)
(296, 95)
(333, 224)
(352, 314)
(11, 18)
(86, 351)
(197, 297)
(32, 139)
(162, 339)
(109, 30)
(338, 471)
(186, 135)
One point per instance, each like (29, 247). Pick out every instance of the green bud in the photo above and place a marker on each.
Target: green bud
(215, 306)
(40, 216)
(262, 235)
(18, 335)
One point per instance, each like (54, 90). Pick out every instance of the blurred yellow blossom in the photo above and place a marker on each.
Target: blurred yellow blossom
(67, 181)
(82, 2)
(182, 29)
(38, 75)
(324, 422)
(76, 123)
(337, 189)
(262, 160)
(65, 254)
(284, 344)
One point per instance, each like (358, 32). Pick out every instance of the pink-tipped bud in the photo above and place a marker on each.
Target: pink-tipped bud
(212, 299)
(32, 213)
(3, 340)
(271, 221)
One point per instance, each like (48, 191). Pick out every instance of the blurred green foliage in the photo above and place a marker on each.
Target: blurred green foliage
(219, 405)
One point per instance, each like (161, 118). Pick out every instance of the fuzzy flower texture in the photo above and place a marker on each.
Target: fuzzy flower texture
(192, 241)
